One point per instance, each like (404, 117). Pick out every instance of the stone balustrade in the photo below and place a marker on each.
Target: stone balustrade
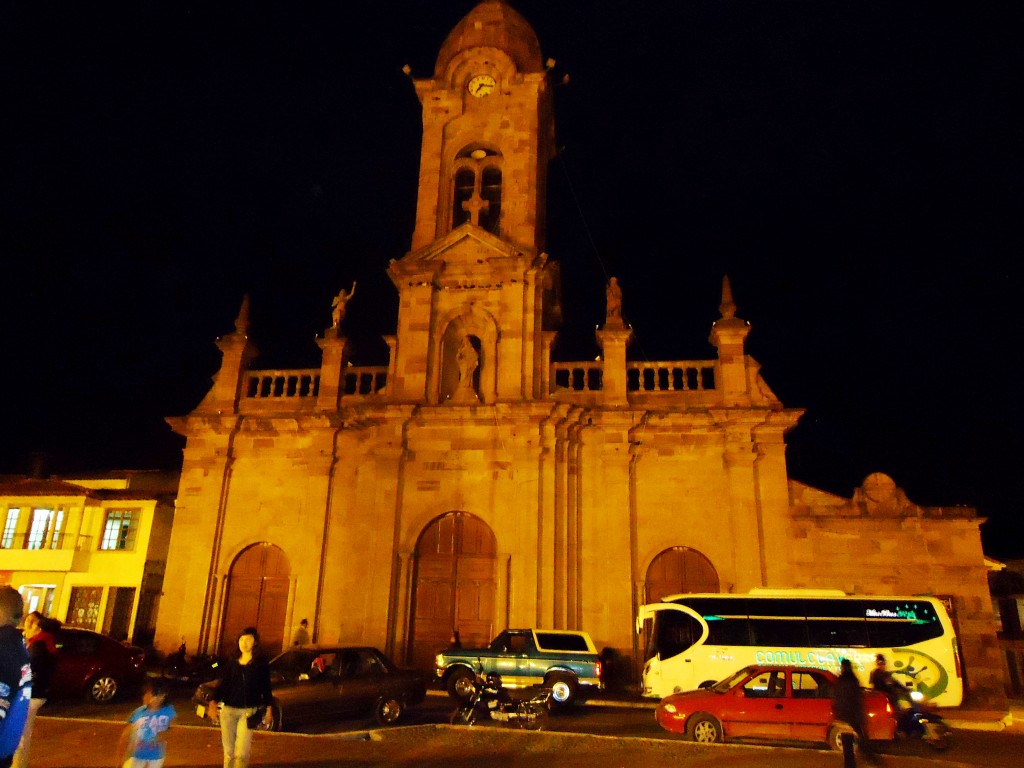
(304, 384)
(673, 376)
(277, 385)
(577, 377)
(365, 380)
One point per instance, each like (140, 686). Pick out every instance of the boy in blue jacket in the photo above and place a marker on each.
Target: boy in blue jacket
(15, 675)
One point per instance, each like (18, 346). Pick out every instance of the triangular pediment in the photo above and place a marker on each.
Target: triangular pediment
(464, 248)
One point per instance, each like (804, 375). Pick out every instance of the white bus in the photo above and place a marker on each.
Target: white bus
(696, 638)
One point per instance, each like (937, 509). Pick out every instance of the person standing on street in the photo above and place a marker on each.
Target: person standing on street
(848, 706)
(301, 635)
(15, 675)
(42, 654)
(243, 690)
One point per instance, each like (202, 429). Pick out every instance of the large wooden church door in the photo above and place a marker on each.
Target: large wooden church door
(257, 597)
(454, 586)
(677, 570)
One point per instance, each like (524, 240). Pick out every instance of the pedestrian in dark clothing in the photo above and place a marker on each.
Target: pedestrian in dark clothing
(15, 675)
(848, 706)
(42, 654)
(244, 690)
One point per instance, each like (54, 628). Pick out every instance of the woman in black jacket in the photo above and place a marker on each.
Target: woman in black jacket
(244, 688)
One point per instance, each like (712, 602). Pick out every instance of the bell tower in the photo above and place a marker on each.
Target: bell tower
(488, 131)
(476, 290)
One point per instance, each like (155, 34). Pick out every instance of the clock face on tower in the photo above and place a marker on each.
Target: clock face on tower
(480, 86)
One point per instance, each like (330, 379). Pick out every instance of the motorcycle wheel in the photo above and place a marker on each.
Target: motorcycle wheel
(937, 736)
(463, 716)
(531, 717)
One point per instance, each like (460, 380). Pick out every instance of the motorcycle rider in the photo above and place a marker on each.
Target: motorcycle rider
(882, 679)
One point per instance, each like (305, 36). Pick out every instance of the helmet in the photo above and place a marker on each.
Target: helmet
(493, 680)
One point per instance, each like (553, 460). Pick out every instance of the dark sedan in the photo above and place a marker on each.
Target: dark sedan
(95, 666)
(315, 682)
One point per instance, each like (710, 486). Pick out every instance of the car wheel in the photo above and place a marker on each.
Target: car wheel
(461, 684)
(835, 737)
(388, 710)
(706, 730)
(102, 689)
(563, 689)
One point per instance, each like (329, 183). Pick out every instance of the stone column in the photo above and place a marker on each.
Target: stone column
(613, 341)
(332, 368)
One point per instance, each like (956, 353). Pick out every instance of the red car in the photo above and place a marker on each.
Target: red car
(93, 665)
(770, 702)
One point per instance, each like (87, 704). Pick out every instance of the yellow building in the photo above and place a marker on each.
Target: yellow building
(475, 482)
(89, 551)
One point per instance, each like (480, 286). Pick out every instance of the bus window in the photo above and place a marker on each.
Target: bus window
(779, 632)
(731, 631)
(674, 632)
(838, 633)
(895, 634)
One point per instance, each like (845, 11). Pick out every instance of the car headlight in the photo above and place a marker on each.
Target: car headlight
(670, 708)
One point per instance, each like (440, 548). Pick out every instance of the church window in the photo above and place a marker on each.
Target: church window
(10, 524)
(119, 529)
(465, 183)
(490, 190)
(476, 194)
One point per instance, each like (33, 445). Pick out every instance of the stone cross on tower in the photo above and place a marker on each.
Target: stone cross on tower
(473, 206)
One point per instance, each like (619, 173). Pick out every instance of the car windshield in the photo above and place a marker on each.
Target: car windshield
(290, 664)
(723, 686)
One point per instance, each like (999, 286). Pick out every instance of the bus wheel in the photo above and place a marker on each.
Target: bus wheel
(705, 729)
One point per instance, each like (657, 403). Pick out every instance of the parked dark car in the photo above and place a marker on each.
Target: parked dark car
(321, 681)
(770, 702)
(95, 666)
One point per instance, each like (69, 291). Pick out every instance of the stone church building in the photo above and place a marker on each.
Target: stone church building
(476, 483)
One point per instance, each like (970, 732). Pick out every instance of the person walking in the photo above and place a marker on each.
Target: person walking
(243, 690)
(143, 742)
(301, 635)
(42, 654)
(848, 706)
(15, 675)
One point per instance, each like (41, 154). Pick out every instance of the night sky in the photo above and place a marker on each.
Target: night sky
(855, 168)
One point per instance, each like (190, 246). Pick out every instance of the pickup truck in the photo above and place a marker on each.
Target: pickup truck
(563, 660)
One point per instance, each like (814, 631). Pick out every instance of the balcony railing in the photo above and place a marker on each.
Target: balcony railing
(280, 385)
(365, 380)
(674, 376)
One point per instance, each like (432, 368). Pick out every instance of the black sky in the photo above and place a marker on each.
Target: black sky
(855, 167)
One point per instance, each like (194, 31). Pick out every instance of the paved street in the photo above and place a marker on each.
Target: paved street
(72, 736)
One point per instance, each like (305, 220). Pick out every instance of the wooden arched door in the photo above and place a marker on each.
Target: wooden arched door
(679, 569)
(257, 597)
(454, 586)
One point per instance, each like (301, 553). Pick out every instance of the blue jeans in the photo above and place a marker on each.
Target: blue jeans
(235, 735)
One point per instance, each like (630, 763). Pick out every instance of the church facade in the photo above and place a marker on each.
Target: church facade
(475, 483)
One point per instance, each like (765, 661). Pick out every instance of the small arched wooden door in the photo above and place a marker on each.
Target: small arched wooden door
(679, 569)
(454, 586)
(257, 597)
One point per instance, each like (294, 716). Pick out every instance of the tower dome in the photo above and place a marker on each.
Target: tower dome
(493, 24)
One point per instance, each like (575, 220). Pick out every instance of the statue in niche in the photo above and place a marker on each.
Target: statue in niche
(467, 360)
(613, 303)
(339, 303)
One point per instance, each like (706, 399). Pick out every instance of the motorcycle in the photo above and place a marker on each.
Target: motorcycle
(916, 721)
(490, 700)
(179, 667)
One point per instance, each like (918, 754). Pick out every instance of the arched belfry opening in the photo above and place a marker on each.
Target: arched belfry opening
(454, 585)
(476, 188)
(257, 596)
(677, 570)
